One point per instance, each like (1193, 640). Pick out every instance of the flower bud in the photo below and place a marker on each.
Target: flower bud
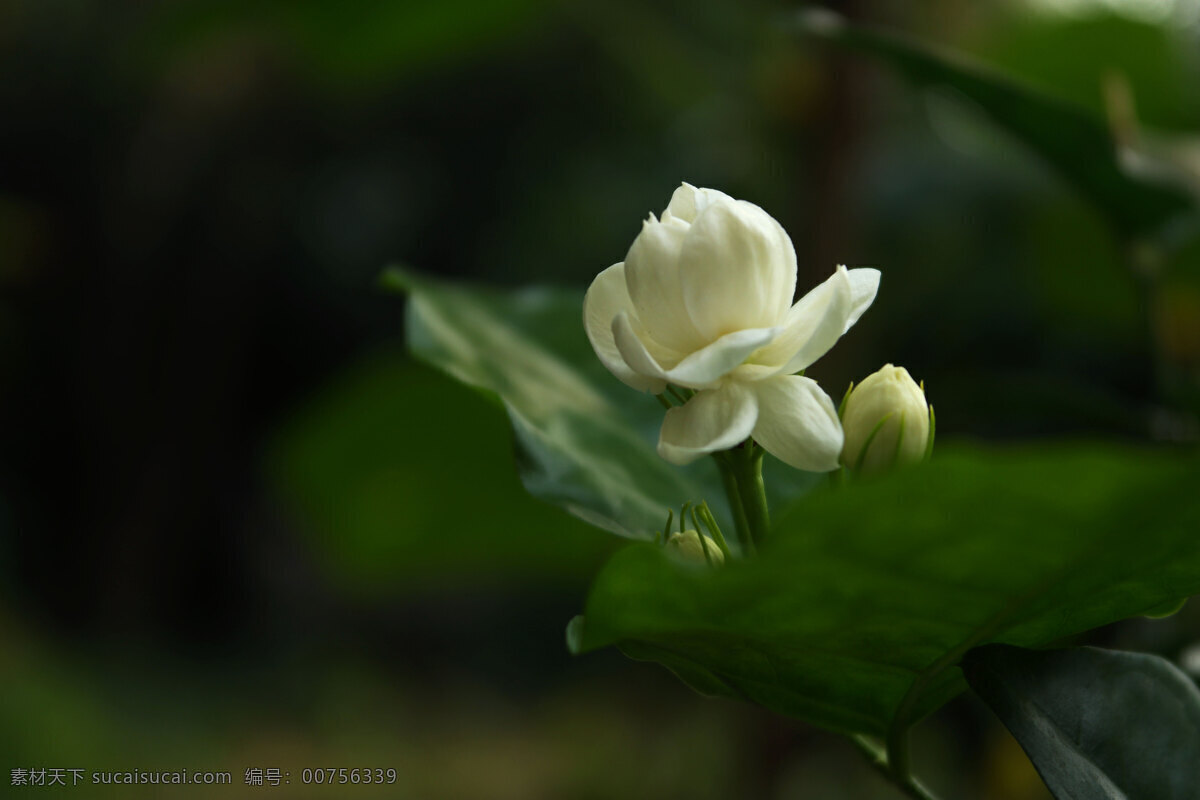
(687, 546)
(886, 422)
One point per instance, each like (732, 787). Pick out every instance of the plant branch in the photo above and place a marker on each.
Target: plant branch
(741, 472)
(897, 753)
(878, 759)
(754, 492)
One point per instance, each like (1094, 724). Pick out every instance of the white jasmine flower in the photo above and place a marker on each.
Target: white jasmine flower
(703, 301)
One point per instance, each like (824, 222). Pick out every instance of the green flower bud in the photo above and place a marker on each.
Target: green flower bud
(887, 422)
(687, 546)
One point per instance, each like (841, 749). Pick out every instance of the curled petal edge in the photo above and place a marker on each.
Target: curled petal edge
(605, 298)
(864, 285)
(702, 369)
(812, 326)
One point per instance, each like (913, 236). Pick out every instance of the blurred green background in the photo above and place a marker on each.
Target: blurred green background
(240, 528)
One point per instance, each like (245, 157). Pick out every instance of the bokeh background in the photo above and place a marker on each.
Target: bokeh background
(240, 528)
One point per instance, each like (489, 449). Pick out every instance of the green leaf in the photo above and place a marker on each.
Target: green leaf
(577, 445)
(584, 441)
(1097, 724)
(1071, 139)
(856, 611)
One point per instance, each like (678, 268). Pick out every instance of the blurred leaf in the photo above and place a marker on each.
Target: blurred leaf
(403, 477)
(1069, 56)
(857, 609)
(1074, 141)
(583, 439)
(1097, 724)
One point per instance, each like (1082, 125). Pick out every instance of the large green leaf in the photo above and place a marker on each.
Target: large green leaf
(1071, 139)
(856, 612)
(584, 440)
(1097, 724)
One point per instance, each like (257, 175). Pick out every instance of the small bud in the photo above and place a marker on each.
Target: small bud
(687, 546)
(887, 422)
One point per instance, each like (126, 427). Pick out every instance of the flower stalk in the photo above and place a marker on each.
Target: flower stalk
(741, 522)
(741, 472)
(754, 492)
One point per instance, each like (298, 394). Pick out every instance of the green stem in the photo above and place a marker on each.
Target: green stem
(741, 472)
(879, 760)
(754, 492)
(729, 479)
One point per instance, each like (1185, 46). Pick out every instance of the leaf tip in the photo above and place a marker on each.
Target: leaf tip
(575, 635)
(1167, 609)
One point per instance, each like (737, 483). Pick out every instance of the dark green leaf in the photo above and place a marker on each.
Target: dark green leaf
(855, 613)
(1071, 139)
(1097, 724)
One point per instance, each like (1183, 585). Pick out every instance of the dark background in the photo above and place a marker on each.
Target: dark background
(239, 528)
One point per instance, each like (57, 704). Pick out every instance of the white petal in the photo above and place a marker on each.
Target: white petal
(705, 367)
(737, 269)
(688, 201)
(700, 370)
(785, 276)
(605, 299)
(864, 283)
(652, 277)
(713, 420)
(797, 423)
(812, 326)
(634, 346)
